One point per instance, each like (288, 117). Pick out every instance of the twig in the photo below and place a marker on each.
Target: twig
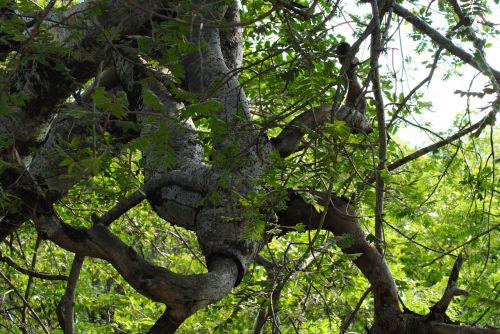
(33, 313)
(31, 273)
(347, 321)
(438, 38)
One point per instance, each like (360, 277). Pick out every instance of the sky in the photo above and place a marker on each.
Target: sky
(446, 104)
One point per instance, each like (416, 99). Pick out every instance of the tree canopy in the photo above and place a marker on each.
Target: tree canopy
(255, 167)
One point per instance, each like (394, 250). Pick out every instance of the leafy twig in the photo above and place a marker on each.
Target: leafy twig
(33, 313)
(31, 273)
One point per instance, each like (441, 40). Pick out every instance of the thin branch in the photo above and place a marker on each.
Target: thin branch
(33, 313)
(438, 38)
(347, 321)
(462, 18)
(433, 147)
(31, 273)
(272, 270)
(428, 78)
(30, 282)
(412, 240)
(134, 199)
(493, 228)
(40, 17)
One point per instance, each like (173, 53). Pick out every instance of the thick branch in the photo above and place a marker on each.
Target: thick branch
(287, 142)
(232, 38)
(46, 174)
(240, 150)
(156, 283)
(341, 220)
(166, 324)
(65, 309)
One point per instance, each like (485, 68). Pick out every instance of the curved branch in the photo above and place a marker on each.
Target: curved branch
(341, 220)
(240, 149)
(287, 142)
(184, 294)
(192, 182)
(31, 273)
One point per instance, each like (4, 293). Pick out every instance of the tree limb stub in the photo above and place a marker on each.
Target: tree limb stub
(439, 309)
(287, 142)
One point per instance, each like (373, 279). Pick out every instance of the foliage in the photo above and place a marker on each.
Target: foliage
(436, 207)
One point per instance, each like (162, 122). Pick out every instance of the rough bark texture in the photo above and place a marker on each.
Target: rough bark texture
(36, 134)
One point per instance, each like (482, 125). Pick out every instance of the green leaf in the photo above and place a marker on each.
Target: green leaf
(151, 100)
